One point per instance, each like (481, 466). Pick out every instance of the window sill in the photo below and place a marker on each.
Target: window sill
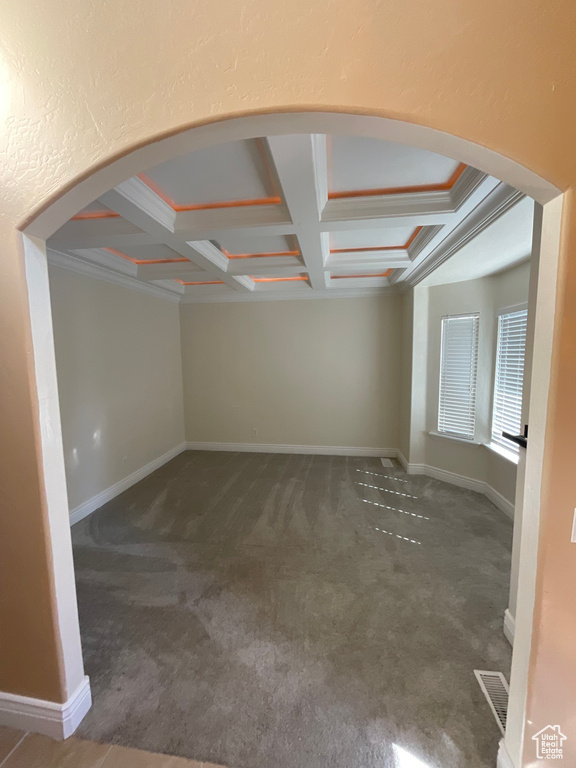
(510, 456)
(446, 436)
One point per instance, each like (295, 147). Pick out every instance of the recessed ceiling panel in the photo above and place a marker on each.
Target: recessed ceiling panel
(253, 219)
(250, 246)
(358, 164)
(152, 253)
(391, 237)
(95, 211)
(233, 172)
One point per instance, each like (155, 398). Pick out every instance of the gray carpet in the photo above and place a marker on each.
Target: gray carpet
(262, 611)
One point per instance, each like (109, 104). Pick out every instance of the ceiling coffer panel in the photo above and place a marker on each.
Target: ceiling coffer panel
(369, 166)
(232, 174)
(303, 214)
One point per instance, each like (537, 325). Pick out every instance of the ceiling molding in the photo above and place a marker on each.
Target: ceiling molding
(332, 293)
(89, 269)
(284, 245)
(467, 183)
(496, 204)
(124, 200)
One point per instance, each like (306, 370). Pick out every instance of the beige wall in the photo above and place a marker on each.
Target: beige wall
(314, 372)
(119, 380)
(487, 296)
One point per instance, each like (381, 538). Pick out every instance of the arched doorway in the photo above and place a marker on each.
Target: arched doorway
(251, 127)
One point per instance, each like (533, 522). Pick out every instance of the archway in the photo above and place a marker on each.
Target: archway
(68, 203)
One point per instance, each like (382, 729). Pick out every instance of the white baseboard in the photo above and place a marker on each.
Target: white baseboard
(462, 481)
(317, 450)
(46, 717)
(88, 506)
(504, 760)
(402, 459)
(509, 626)
(500, 501)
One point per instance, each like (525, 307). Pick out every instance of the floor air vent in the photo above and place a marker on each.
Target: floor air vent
(387, 462)
(495, 688)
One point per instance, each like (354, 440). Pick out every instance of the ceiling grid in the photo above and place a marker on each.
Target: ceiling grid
(297, 216)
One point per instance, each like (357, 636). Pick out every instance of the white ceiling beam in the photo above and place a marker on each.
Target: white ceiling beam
(263, 265)
(380, 260)
(269, 218)
(300, 163)
(138, 204)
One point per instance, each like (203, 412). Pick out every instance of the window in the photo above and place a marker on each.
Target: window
(458, 372)
(507, 408)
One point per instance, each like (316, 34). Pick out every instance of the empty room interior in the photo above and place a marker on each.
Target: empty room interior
(285, 366)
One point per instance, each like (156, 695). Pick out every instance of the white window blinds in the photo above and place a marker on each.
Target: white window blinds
(458, 374)
(507, 408)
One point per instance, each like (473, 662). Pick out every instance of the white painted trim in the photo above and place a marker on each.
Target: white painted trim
(448, 436)
(504, 760)
(470, 483)
(492, 207)
(513, 458)
(500, 501)
(90, 505)
(77, 264)
(509, 626)
(402, 459)
(317, 450)
(59, 721)
(64, 605)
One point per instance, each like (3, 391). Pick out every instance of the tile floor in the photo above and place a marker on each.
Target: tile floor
(29, 750)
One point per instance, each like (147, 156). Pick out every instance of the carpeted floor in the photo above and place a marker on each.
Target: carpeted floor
(272, 611)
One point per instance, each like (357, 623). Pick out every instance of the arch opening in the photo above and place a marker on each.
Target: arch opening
(101, 182)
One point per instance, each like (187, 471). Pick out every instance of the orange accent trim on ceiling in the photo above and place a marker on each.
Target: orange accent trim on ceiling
(83, 215)
(145, 261)
(258, 255)
(278, 279)
(349, 277)
(401, 190)
(205, 282)
(382, 248)
(205, 206)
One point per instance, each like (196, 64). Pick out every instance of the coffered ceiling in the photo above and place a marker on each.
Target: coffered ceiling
(294, 216)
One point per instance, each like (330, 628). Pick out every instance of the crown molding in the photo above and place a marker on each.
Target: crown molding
(295, 295)
(89, 269)
(495, 205)
(465, 186)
